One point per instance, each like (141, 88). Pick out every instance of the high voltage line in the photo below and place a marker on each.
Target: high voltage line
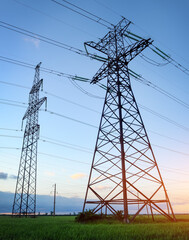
(49, 41)
(73, 119)
(51, 155)
(74, 103)
(83, 13)
(57, 143)
(93, 56)
(54, 18)
(100, 20)
(130, 35)
(175, 170)
(85, 148)
(91, 125)
(40, 37)
(136, 76)
(10, 129)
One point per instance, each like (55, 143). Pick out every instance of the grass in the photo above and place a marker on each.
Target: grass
(64, 227)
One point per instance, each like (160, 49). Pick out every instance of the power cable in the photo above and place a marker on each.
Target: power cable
(72, 119)
(171, 150)
(84, 91)
(54, 18)
(59, 157)
(11, 104)
(91, 17)
(136, 76)
(174, 139)
(165, 56)
(8, 100)
(163, 117)
(43, 38)
(72, 102)
(51, 155)
(71, 144)
(88, 124)
(63, 145)
(10, 129)
(160, 90)
(107, 7)
(55, 142)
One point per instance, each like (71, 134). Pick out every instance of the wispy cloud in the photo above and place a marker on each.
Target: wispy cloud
(5, 176)
(13, 176)
(34, 41)
(78, 175)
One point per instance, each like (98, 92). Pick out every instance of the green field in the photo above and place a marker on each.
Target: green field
(64, 227)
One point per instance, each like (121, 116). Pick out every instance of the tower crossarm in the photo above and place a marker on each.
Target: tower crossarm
(36, 86)
(133, 50)
(103, 44)
(124, 58)
(34, 107)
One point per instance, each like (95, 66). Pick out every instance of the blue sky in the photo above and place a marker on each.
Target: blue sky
(166, 22)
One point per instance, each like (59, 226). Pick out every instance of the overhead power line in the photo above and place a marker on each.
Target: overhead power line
(55, 142)
(49, 41)
(144, 81)
(10, 129)
(51, 155)
(72, 102)
(54, 18)
(107, 7)
(88, 124)
(165, 56)
(63, 145)
(44, 39)
(83, 13)
(136, 77)
(129, 34)
(171, 150)
(72, 119)
(60, 157)
(164, 117)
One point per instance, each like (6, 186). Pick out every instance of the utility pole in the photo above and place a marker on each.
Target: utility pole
(54, 208)
(25, 194)
(123, 163)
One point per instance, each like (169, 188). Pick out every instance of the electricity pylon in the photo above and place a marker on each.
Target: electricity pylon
(124, 173)
(25, 193)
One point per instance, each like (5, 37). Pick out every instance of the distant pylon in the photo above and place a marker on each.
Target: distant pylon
(124, 173)
(25, 193)
(54, 205)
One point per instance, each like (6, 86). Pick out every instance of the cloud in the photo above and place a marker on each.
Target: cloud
(64, 205)
(34, 41)
(78, 175)
(13, 176)
(3, 175)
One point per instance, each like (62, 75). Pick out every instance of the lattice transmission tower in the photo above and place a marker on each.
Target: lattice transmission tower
(124, 173)
(25, 193)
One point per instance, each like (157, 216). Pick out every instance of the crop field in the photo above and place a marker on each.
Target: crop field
(65, 227)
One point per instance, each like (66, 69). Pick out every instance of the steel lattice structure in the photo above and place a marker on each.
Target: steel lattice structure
(25, 193)
(124, 172)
